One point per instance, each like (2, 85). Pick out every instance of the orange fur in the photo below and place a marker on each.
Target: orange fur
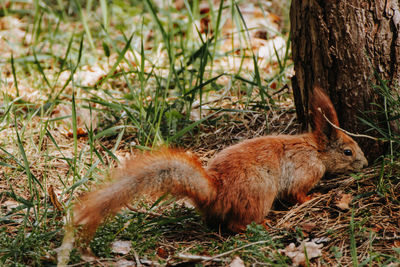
(240, 184)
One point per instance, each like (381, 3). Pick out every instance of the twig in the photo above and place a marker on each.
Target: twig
(389, 238)
(217, 257)
(138, 263)
(149, 262)
(281, 90)
(91, 261)
(99, 262)
(237, 249)
(114, 260)
(294, 211)
(211, 101)
(190, 257)
(346, 132)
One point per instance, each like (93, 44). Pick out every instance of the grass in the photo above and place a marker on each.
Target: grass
(84, 84)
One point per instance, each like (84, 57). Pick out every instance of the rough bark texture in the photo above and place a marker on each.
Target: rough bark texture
(339, 44)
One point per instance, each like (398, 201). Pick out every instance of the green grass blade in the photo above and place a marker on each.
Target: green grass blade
(190, 127)
(104, 12)
(41, 70)
(164, 34)
(85, 25)
(68, 160)
(200, 86)
(75, 134)
(65, 58)
(121, 56)
(27, 168)
(217, 31)
(13, 157)
(71, 76)
(110, 131)
(76, 185)
(14, 75)
(110, 153)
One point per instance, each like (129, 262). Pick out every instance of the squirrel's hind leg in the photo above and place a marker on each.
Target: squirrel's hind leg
(252, 208)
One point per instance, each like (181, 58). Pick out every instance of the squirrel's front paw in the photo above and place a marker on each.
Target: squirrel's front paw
(302, 198)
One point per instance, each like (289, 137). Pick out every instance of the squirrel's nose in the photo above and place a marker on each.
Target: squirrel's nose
(365, 162)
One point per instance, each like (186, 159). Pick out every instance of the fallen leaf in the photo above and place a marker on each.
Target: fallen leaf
(54, 199)
(205, 26)
(179, 4)
(308, 226)
(10, 204)
(237, 262)
(287, 225)
(162, 253)
(79, 133)
(88, 257)
(297, 255)
(377, 228)
(84, 118)
(121, 247)
(343, 201)
(90, 75)
(272, 48)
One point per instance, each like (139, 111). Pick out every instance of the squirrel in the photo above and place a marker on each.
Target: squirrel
(241, 182)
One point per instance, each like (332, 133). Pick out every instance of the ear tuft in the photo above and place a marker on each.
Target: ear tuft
(321, 107)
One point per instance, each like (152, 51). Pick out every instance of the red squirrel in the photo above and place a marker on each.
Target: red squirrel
(241, 182)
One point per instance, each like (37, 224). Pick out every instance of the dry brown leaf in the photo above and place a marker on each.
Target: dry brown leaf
(90, 75)
(343, 201)
(179, 4)
(54, 199)
(237, 262)
(377, 228)
(84, 118)
(89, 257)
(162, 253)
(121, 247)
(308, 226)
(10, 204)
(297, 255)
(79, 133)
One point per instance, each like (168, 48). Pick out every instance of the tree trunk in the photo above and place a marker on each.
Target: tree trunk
(345, 46)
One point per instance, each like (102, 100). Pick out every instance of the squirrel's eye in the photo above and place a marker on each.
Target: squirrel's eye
(348, 152)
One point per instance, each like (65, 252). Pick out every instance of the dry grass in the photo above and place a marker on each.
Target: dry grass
(168, 233)
(376, 218)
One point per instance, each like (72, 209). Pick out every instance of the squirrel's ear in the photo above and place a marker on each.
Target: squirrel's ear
(322, 110)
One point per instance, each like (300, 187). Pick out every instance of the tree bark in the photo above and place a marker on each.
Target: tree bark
(344, 46)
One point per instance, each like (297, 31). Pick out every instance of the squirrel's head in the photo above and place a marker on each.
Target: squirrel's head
(339, 152)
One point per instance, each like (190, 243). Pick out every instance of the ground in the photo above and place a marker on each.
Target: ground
(84, 86)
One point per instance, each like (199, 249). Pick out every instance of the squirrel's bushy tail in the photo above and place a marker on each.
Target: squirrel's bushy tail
(166, 171)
